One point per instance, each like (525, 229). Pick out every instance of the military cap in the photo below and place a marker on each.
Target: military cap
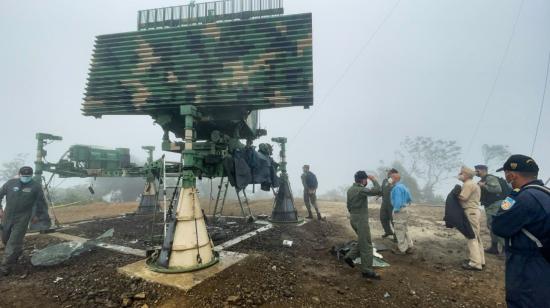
(481, 167)
(520, 163)
(360, 175)
(26, 171)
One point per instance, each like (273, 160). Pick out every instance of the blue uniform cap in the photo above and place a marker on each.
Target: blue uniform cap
(360, 175)
(520, 163)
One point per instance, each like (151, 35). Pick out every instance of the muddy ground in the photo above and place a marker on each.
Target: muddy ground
(141, 231)
(303, 275)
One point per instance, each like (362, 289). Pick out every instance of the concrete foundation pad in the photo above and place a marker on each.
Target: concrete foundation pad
(182, 281)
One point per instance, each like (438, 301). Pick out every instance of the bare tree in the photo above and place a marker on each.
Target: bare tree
(11, 168)
(406, 177)
(430, 160)
(497, 153)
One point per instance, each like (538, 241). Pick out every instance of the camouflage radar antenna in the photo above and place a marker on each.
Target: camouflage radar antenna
(207, 12)
(202, 71)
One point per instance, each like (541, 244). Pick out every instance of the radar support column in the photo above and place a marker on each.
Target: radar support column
(284, 210)
(191, 246)
(44, 221)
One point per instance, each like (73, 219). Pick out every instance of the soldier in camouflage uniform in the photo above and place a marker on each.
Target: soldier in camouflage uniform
(22, 195)
(386, 209)
(357, 203)
(491, 198)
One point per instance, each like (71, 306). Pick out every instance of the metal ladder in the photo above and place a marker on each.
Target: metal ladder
(244, 205)
(222, 196)
(222, 190)
(169, 206)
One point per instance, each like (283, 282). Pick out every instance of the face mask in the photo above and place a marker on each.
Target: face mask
(510, 180)
(25, 179)
(390, 180)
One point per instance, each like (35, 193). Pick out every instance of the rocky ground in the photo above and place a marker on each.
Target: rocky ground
(304, 275)
(135, 230)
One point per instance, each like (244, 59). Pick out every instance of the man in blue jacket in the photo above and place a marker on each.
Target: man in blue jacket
(523, 220)
(401, 199)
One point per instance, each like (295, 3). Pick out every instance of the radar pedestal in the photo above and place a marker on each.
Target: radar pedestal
(192, 247)
(284, 210)
(187, 246)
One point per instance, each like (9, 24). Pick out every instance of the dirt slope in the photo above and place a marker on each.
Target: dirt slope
(303, 275)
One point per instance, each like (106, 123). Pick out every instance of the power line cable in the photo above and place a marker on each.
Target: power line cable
(541, 105)
(493, 86)
(346, 70)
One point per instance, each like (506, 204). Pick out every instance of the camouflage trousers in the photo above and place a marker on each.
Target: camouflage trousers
(310, 198)
(360, 223)
(13, 234)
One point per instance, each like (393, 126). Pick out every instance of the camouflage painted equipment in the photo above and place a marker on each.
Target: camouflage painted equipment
(245, 64)
(193, 13)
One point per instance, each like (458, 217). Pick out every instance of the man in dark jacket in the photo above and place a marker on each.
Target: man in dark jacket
(309, 181)
(455, 216)
(22, 196)
(386, 209)
(524, 222)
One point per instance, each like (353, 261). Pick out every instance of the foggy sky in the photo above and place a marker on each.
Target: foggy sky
(427, 72)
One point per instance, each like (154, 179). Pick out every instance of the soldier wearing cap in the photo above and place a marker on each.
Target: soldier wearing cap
(22, 194)
(523, 220)
(469, 197)
(357, 203)
(491, 198)
(309, 181)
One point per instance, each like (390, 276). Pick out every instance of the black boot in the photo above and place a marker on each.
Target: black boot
(493, 250)
(370, 274)
(349, 262)
(4, 270)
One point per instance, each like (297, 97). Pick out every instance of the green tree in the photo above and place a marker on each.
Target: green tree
(495, 154)
(406, 178)
(430, 160)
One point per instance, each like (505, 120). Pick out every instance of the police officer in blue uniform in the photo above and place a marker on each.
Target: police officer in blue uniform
(524, 221)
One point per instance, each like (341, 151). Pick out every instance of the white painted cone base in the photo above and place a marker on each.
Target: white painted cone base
(192, 248)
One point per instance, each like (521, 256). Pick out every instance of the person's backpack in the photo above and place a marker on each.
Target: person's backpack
(504, 186)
